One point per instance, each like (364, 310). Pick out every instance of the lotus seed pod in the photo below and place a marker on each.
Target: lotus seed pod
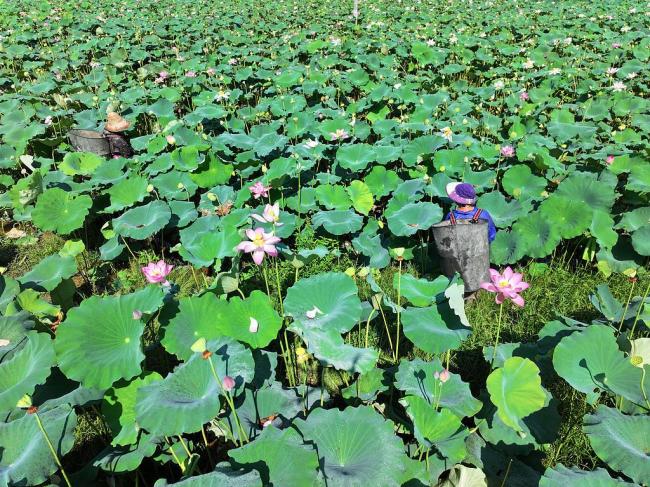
(149, 188)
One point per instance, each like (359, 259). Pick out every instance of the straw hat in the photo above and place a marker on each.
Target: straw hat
(461, 193)
(115, 123)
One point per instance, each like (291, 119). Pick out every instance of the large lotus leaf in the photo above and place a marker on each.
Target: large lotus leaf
(355, 156)
(265, 139)
(621, 441)
(606, 303)
(371, 247)
(635, 219)
(287, 460)
(197, 317)
(503, 212)
(48, 273)
(58, 390)
(328, 347)
(127, 192)
(421, 292)
(641, 240)
(253, 313)
(560, 475)
(338, 222)
(434, 329)
(416, 377)
(143, 221)
(601, 227)
(26, 458)
(80, 163)
(540, 235)
(590, 360)
(412, 217)
(332, 296)
(356, 446)
(519, 182)
(13, 332)
(183, 213)
(118, 408)
(508, 247)
(26, 369)
(563, 127)
(369, 385)
(361, 197)
(222, 476)
(9, 289)
(189, 397)
(516, 390)
(175, 185)
(126, 458)
(60, 211)
(99, 342)
(430, 425)
(333, 197)
(584, 187)
(569, 216)
(381, 182)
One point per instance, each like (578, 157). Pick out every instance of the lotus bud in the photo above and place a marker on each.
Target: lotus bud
(264, 168)
(171, 140)
(228, 383)
(199, 346)
(149, 188)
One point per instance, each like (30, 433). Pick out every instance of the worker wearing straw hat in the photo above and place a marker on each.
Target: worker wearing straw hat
(119, 143)
(464, 195)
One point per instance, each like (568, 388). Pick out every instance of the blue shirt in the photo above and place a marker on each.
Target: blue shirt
(467, 215)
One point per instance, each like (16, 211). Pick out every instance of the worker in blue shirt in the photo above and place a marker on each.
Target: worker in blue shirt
(464, 195)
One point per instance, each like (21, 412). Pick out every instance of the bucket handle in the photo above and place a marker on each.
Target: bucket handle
(474, 219)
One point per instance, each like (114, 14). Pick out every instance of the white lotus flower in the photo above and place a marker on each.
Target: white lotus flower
(529, 64)
(254, 326)
(4, 342)
(619, 86)
(311, 314)
(310, 144)
(447, 133)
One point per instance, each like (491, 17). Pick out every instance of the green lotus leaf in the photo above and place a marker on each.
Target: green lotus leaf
(602, 228)
(49, 273)
(508, 248)
(197, 317)
(584, 187)
(355, 157)
(201, 241)
(222, 476)
(183, 213)
(430, 425)
(111, 249)
(620, 258)
(361, 197)
(118, 408)
(560, 475)
(590, 360)
(503, 212)
(563, 127)
(421, 292)
(143, 221)
(27, 368)
(606, 303)
(516, 390)
(381, 182)
(568, 216)
(265, 139)
(371, 247)
(434, 329)
(338, 222)
(211, 173)
(413, 217)
(26, 457)
(356, 446)
(369, 385)
(175, 185)
(519, 182)
(59, 390)
(126, 458)
(416, 377)
(9, 289)
(540, 235)
(641, 240)
(115, 351)
(635, 219)
(189, 397)
(255, 311)
(286, 459)
(620, 441)
(13, 330)
(60, 211)
(330, 349)
(80, 163)
(32, 301)
(127, 192)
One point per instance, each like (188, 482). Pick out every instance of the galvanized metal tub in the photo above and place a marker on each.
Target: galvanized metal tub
(89, 141)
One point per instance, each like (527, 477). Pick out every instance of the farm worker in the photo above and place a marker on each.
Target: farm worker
(464, 195)
(118, 142)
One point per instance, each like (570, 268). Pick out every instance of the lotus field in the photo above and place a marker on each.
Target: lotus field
(254, 297)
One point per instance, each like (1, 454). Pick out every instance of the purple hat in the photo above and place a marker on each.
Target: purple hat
(461, 193)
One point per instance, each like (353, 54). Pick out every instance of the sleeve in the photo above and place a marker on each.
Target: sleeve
(492, 229)
(447, 216)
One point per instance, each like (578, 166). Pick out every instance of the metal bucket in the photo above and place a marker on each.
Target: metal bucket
(464, 248)
(89, 141)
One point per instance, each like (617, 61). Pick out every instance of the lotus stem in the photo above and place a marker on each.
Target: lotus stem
(645, 396)
(240, 431)
(399, 298)
(627, 305)
(241, 293)
(505, 477)
(180, 438)
(266, 281)
(277, 281)
(390, 340)
(638, 313)
(368, 325)
(128, 248)
(176, 459)
(496, 342)
(52, 450)
(207, 447)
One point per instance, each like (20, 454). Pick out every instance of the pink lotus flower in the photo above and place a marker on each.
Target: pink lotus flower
(340, 134)
(211, 71)
(258, 189)
(609, 160)
(271, 215)
(260, 244)
(506, 286)
(157, 272)
(442, 376)
(523, 96)
(508, 151)
(48, 120)
(615, 45)
(190, 74)
(232, 61)
(228, 383)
